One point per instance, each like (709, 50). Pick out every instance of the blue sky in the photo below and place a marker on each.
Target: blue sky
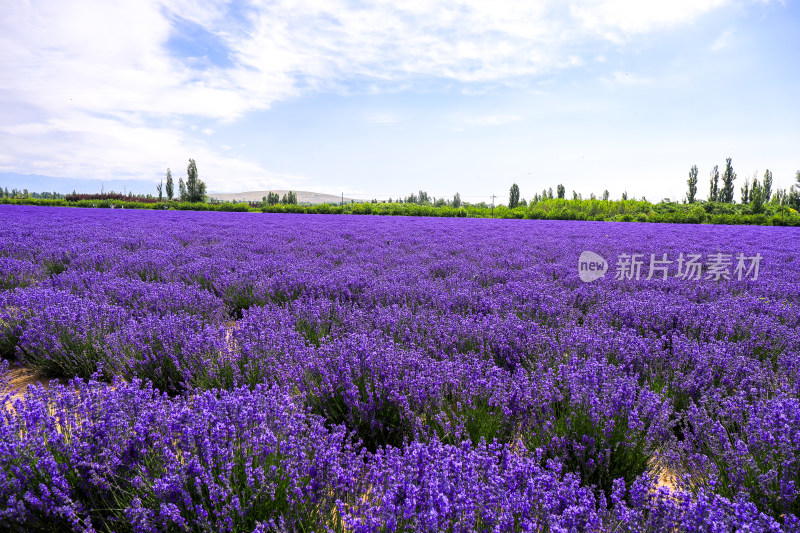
(384, 98)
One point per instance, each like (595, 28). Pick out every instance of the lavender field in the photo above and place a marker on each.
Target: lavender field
(258, 372)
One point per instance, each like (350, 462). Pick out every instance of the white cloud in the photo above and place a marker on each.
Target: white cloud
(103, 148)
(723, 41)
(110, 56)
(619, 20)
(89, 87)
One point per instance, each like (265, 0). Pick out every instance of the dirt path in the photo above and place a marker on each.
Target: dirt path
(20, 377)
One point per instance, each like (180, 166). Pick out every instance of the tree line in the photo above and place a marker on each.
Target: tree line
(23, 193)
(629, 210)
(193, 190)
(753, 193)
(756, 194)
(273, 198)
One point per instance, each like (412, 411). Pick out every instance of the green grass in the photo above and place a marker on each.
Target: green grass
(550, 209)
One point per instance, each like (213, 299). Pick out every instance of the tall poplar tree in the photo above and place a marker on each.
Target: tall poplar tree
(692, 182)
(513, 196)
(767, 186)
(195, 188)
(726, 194)
(713, 193)
(170, 188)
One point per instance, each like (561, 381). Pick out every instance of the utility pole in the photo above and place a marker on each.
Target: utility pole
(493, 196)
(342, 199)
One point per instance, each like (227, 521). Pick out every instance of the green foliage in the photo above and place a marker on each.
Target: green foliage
(167, 370)
(170, 186)
(272, 198)
(79, 356)
(374, 418)
(182, 192)
(726, 194)
(245, 369)
(745, 190)
(777, 212)
(692, 182)
(12, 323)
(231, 207)
(793, 198)
(422, 198)
(477, 419)
(238, 297)
(290, 198)
(56, 265)
(757, 197)
(696, 215)
(195, 190)
(315, 331)
(597, 448)
(767, 186)
(713, 193)
(513, 196)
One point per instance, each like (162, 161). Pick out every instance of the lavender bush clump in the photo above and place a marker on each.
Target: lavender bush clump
(18, 273)
(97, 458)
(67, 336)
(749, 449)
(439, 487)
(172, 352)
(266, 372)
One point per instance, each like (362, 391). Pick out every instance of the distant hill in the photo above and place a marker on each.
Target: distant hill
(38, 183)
(257, 196)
